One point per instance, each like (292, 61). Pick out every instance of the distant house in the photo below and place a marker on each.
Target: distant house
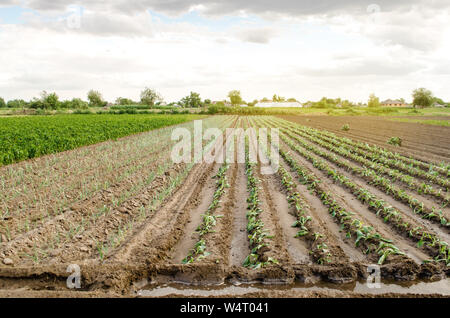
(437, 105)
(225, 103)
(279, 105)
(393, 103)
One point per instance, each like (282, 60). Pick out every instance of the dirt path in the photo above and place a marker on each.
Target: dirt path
(219, 242)
(298, 249)
(190, 237)
(154, 241)
(239, 246)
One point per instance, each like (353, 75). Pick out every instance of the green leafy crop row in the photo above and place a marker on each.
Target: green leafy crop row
(23, 138)
(390, 215)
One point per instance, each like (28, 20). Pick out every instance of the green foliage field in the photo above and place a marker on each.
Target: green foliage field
(24, 138)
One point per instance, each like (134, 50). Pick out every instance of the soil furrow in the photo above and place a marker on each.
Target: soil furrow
(239, 245)
(190, 237)
(361, 211)
(219, 242)
(153, 242)
(363, 128)
(430, 204)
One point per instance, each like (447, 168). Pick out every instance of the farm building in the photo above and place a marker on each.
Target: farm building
(394, 103)
(225, 103)
(279, 105)
(437, 105)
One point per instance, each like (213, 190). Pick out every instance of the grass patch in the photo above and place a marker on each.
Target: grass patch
(433, 122)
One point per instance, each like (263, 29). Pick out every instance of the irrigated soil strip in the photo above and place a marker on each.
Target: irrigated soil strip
(140, 218)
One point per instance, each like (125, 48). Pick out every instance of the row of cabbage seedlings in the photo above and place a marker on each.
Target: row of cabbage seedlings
(424, 169)
(365, 237)
(320, 251)
(384, 184)
(379, 155)
(317, 241)
(257, 235)
(432, 244)
(372, 176)
(436, 174)
(119, 236)
(396, 175)
(209, 220)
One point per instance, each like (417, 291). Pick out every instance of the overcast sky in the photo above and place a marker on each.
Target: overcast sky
(302, 49)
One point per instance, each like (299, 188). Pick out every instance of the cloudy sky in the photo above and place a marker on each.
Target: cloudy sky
(303, 49)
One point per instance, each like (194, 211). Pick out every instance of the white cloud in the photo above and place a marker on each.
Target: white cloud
(302, 49)
(256, 35)
(97, 23)
(289, 7)
(416, 28)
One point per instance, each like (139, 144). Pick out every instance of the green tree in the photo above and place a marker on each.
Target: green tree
(253, 104)
(324, 103)
(95, 99)
(440, 101)
(373, 101)
(292, 100)
(78, 103)
(50, 101)
(2, 103)
(192, 101)
(47, 101)
(278, 99)
(422, 97)
(16, 103)
(150, 97)
(124, 101)
(235, 97)
(75, 103)
(347, 104)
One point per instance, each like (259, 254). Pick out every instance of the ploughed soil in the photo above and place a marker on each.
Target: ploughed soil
(146, 231)
(424, 142)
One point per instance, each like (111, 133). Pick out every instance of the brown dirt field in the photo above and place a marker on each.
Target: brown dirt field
(130, 236)
(425, 142)
(443, 232)
(363, 213)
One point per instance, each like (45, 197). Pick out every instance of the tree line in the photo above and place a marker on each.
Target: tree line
(151, 98)
(148, 97)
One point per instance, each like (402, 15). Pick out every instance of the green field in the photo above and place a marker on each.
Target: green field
(28, 137)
